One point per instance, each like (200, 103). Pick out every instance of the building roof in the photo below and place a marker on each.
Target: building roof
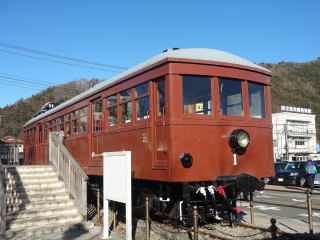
(10, 139)
(202, 54)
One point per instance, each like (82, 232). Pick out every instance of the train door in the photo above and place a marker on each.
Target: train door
(161, 131)
(97, 123)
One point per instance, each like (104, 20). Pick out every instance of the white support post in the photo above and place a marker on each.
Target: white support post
(117, 175)
(105, 233)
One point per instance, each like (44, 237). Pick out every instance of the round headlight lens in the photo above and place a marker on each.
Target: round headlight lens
(243, 139)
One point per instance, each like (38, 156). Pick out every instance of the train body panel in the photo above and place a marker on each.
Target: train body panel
(212, 156)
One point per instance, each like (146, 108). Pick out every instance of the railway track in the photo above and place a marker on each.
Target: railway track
(221, 231)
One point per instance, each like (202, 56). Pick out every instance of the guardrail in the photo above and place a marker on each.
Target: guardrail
(69, 171)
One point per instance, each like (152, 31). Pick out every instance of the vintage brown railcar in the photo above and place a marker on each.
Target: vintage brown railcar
(193, 118)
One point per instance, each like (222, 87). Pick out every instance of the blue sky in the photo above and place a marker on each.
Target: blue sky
(125, 33)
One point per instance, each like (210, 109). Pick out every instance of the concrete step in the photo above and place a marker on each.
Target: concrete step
(30, 174)
(43, 221)
(40, 205)
(23, 197)
(26, 169)
(49, 211)
(15, 180)
(36, 190)
(53, 232)
(23, 186)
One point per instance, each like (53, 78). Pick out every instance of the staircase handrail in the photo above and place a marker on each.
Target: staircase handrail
(69, 171)
(3, 204)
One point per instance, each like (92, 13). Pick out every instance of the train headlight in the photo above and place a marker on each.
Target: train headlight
(243, 139)
(239, 140)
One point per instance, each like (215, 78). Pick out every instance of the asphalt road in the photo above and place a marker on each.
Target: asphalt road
(287, 205)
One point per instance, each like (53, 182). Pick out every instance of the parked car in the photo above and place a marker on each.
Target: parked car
(293, 174)
(278, 166)
(317, 180)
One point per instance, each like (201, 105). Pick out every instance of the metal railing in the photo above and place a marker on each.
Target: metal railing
(3, 204)
(69, 171)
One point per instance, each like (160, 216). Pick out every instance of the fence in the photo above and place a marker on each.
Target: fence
(69, 171)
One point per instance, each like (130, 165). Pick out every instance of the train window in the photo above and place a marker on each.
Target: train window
(112, 110)
(112, 100)
(126, 106)
(197, 95)
(83, 119)
(126, 112)
(141, 89)
(61, 123)
(97, 116)
(55, 125)
(125, 95)
(113, 116)
(142, 101)
(256, 100)
(231, 97)
(161, 97)
(143, 108)
(68, 124)
(75, 121)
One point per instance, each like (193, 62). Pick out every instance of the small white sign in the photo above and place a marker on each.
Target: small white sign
(117, 187)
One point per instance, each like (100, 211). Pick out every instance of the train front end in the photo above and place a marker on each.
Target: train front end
(220, 134)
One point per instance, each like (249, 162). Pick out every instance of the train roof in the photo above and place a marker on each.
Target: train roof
(200, 54)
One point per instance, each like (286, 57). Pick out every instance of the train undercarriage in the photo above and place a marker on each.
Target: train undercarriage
(214, 200)
(174, 201)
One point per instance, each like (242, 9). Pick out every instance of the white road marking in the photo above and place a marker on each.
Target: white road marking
(260, 207)
(298, 200)
(263, 196)
(264, 208)
(306, 215)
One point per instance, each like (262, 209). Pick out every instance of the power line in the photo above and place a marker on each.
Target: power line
(33, 82)
(59, 56)
(48, 60)
(25, 81)
(26, 78)
(20, 86)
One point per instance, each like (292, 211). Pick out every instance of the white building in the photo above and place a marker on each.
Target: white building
(294, 134)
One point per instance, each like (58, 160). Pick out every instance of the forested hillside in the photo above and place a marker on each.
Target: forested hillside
(13, 117)
(296, 84)
(293, 84)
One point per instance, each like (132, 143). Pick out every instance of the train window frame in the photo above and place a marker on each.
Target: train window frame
(161, 107)
(55, 124)
(95, 127)
(68, 124)
(83, 120)
(262, 99)
(61, 123)
(111, 104)
(75, 122)
(124, 102)
(243, 98)
(139, 97)
(211, 92)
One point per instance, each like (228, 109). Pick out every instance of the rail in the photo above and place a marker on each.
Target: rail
(69, 171)
(3, 207)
